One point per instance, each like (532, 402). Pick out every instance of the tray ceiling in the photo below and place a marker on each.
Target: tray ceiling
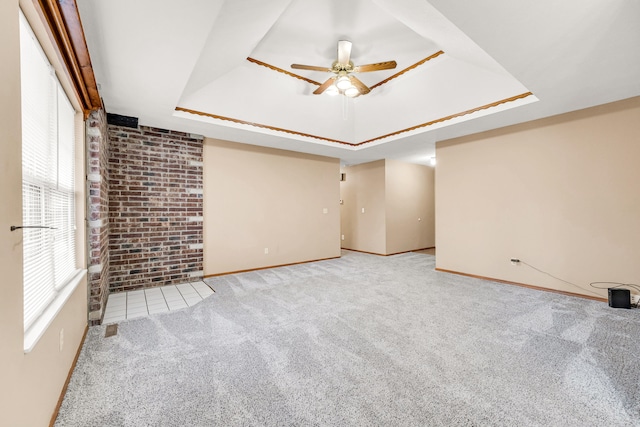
(222, 68)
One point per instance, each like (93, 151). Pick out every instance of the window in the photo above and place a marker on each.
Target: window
(48, 188)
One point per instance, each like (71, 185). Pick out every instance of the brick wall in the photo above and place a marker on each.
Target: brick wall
(98, 213)
(155, 207)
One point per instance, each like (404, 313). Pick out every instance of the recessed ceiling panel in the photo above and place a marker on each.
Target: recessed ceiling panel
(427, 84)
(312, 38)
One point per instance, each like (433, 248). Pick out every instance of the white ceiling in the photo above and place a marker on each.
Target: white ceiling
(152, 56)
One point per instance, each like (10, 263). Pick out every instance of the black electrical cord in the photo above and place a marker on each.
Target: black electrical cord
(557, 278)
(592, 284)
(618, 285)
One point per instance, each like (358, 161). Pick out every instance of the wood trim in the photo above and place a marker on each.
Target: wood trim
(417, 64)
(63, 20)
(524, 285)
(266, 268)
(423, 249)
(258, 125)
(280, 70)
(444, 119)
(363, 252)
(66, 383)
(395, 253)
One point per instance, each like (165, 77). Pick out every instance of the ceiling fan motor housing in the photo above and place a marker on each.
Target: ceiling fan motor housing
(336, 67)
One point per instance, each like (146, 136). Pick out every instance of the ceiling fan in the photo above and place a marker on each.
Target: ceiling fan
(344, 81)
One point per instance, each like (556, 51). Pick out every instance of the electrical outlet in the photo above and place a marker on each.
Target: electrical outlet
(266, 251)
(515, 261)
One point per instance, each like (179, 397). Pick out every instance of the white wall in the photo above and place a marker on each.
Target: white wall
(410, 205)
(560, 193)
(257, 198)
(364, 188)
(398, 202)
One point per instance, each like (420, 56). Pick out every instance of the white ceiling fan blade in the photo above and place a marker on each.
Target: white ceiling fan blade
(344, 52)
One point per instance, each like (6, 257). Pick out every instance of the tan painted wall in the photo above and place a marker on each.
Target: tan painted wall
(560, 193)
(257, 198)
(410, 207)
(399, 212)
(30, 383)
(364, 188)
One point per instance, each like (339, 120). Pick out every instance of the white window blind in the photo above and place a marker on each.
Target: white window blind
(47, 179)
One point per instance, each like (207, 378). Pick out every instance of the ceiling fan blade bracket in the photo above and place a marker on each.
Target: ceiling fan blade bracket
(337, 67)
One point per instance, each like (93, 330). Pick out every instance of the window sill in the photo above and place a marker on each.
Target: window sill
(35, 332)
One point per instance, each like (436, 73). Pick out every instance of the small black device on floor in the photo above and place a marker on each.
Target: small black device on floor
(619, 298)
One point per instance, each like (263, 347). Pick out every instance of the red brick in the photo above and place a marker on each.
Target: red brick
(149, 205)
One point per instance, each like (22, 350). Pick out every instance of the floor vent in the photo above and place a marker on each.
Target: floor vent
(111, 330)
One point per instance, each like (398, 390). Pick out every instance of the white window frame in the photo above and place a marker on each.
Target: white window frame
(58, 291)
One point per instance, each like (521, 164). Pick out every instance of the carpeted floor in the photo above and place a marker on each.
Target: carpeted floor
(364, 341)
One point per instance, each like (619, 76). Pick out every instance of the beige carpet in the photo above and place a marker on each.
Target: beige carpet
(363, 340)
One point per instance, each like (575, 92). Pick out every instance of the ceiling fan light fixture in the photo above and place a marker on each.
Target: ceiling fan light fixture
(352, 92)
(332, 90)
(343, 83)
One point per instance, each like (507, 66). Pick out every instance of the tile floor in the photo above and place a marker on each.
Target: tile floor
(143, 302)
